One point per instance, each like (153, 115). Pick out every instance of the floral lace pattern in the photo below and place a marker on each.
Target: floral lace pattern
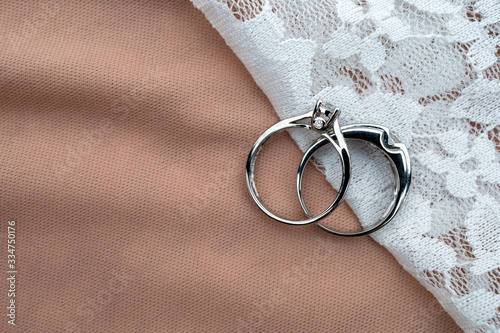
(430, 71)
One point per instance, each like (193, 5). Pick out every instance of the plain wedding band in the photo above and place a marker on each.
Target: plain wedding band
(395, 151)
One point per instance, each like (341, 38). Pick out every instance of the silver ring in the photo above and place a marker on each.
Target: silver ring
(324, 120)
(395, 151)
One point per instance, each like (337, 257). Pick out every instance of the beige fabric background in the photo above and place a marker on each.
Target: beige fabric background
(125, 127)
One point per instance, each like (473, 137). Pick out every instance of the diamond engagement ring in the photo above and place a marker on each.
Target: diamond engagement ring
(323, 120)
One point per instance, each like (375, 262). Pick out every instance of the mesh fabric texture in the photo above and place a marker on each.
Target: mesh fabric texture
(124, 136)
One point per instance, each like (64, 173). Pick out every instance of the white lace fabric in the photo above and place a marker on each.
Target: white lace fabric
(430, 71)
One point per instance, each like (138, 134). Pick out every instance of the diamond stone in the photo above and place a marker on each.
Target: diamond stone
(395, 136)
(319, 123)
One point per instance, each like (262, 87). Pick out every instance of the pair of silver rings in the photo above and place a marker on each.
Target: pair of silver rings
(324, 120)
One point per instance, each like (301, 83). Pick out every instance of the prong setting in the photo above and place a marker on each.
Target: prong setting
(324, 114)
